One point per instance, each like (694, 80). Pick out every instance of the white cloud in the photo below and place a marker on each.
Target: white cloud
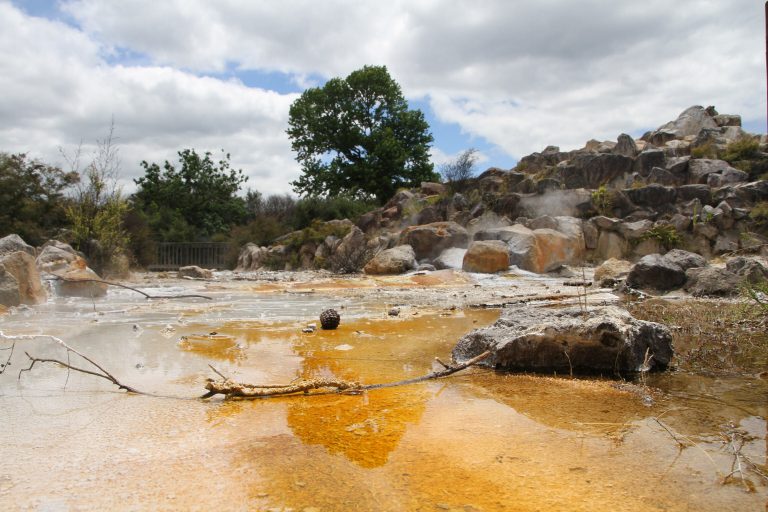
(521, 75)
(59, 91)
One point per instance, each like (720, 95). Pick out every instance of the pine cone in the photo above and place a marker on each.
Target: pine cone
(329, 319)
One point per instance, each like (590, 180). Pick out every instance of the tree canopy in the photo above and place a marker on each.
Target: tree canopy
(193, 201)
(32, 201)
(357, 136)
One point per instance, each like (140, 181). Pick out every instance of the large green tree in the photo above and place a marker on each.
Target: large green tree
(357, 136)
(192, 201)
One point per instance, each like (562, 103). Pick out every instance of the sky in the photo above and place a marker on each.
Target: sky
(505, 77)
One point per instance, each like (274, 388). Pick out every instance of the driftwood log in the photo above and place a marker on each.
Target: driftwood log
(231, 389)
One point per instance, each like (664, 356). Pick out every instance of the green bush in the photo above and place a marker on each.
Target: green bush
(602, 201)
(666, 234)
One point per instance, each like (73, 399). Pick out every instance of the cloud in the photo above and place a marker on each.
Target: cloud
(59, 91)
(519, 75)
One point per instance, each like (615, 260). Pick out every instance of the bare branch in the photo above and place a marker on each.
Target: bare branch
(112, 283)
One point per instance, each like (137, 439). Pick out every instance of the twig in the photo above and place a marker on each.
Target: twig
(104, 374)
(148, 296)
(231, 389)
(7, 363)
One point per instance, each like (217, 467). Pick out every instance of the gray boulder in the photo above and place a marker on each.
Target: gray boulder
(689, 123)
(656, 272)
(603, 339)
(55, 257)
(748, 269)
(625, 146)
(251, 257)
(653, 195)
(13, 243)
(711, 282)
(685, 259)
(700, 169)
(397, 260)
(592, 170)
(9, 289)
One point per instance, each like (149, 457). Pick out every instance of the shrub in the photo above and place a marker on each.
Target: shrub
(602, 201)
(666, 235)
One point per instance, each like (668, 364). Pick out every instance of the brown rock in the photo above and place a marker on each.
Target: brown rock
(21, 266)
(429, 240)
(77, 281)
(486, 257)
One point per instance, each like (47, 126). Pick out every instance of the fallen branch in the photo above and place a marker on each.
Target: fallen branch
(231, 389)
(111, 283)
(4, 366)
(102, 373)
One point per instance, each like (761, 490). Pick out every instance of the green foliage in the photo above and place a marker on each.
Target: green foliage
(97, 211)
(759, 216)
(746, 148)
(191, 202)
(602, 201)
(758, 294)
(706, 150)
(309, 209)
(32, 202)
(666, 234)
(457, 173)
(357, 136)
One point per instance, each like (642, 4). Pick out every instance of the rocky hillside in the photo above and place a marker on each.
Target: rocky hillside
(697, 183)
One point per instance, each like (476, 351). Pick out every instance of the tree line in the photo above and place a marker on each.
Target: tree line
(355, 138)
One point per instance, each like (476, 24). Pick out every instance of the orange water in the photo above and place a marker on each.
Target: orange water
(475, 441)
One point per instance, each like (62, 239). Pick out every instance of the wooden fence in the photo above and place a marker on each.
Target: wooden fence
(172, 256)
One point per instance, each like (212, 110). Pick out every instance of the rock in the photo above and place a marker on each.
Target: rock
(429, 215)
(689, 123)
(430, 188)
(646, 247)
(77, 282)
(593, 170)
(487, 257)
(429, 240)
(21, 265)
(662, 177)
(606, 223)
(572, 202)
(195, 272)
(14, 243)
(699, 169)
(450, 258)
(591, 234)
(55, 257)
(9, 289)
(711, 282)
(369, 222)
(689, 192)
(611, 271)
(507, 205)
(625, 146)
(685, 259)
(397, 260)
(655, 272)
(726, 177)
(545, 185)
(542, 222)
(727, 120)
(681, 223)
(653, 195)
(647, 160)
(611, 245)
(603, 339)
(635, 230)
(749, 269)
(426, 267)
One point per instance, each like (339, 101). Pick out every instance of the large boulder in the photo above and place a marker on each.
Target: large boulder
(591, 170)
(653, 195)
(487, 257)
(689, 123)
(685, 259)
(9, 289)
(397, 260)
(540, 250)
(429, 240)
(701, 169)
(251, 257)
(80, 281)
(603, 339)
(749, 269)
(21, 265)
(13, 243)
(55, 257)
(612, 271)
(656, 272)
(711, 282)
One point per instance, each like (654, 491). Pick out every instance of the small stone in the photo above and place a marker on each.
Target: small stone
(394, 312)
